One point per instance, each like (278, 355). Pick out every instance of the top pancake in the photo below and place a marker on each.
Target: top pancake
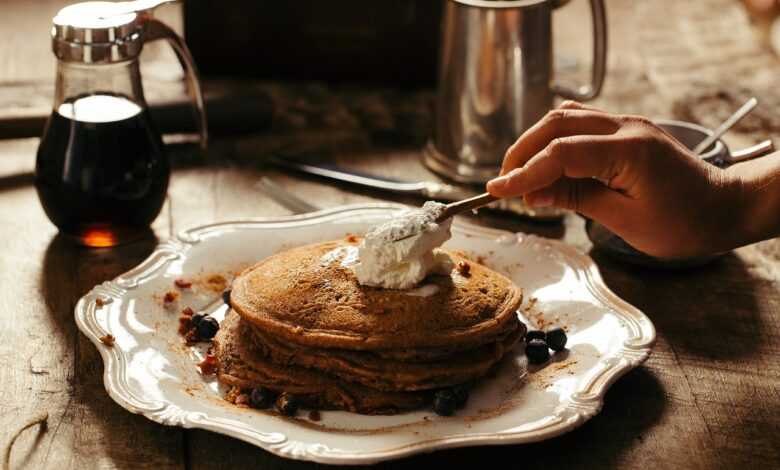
(310, 296)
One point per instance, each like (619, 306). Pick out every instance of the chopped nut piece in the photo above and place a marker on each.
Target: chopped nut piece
(182, 284)
(99, 302)
(464, 269)
(191, 337)
(188, 312)
(185, 325)
(170, 296)
(351, 238)
(232, 394)
(216, 283)
(108, 340)
(208, 365)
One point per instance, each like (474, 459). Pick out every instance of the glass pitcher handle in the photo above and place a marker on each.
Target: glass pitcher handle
(155, 29)
(588, 92)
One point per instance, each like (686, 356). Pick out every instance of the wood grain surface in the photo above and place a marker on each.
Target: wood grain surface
(708, 397)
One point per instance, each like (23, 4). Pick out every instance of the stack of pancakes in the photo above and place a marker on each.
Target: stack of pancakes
(301, 323)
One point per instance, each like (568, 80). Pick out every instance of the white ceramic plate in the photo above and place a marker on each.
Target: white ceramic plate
(151, 372)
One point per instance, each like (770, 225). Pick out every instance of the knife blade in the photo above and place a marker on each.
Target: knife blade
(425, 189)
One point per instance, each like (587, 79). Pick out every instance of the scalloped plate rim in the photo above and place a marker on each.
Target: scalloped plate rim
(630, 357)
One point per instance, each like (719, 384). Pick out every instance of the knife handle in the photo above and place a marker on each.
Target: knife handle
(465, 205)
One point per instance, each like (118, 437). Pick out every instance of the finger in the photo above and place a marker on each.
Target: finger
(585, 196)
(582, 156)
(571, 104)
(556, 124)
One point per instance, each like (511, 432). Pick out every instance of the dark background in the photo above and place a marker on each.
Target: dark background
(355, 41)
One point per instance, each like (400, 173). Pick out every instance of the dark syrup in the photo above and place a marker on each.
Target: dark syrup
(101, 171)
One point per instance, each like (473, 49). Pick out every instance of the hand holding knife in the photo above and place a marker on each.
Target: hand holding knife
(425, 189)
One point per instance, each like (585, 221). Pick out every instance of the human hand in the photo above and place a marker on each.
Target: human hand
(629, 175)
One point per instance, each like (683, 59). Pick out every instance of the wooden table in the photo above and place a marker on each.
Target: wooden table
(708, 397)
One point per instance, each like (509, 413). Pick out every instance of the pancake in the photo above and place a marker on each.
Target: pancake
(241, 364)
(310, 297)
(382, 373)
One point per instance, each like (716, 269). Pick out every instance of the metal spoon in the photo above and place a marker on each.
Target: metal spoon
(727, 124)
(454, 208)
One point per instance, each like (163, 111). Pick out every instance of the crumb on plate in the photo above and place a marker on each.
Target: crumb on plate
(208, 366)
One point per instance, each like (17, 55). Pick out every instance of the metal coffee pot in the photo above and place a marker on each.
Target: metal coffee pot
(496, 79)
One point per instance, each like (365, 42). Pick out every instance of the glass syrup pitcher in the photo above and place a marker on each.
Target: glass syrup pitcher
(101, 170)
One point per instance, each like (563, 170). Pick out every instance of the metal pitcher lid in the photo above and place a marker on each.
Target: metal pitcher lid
(96, 32)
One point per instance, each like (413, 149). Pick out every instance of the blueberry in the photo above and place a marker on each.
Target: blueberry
(207, 327)
(262, 398)
(535, 334)
(461, 393)
(196, 318)
(537, 352)
(226, 296)
(444, 403)
(556, 339)
(287, 404)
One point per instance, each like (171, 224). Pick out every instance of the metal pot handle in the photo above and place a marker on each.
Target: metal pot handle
(155, 29)
(758, 150)
(588, 92)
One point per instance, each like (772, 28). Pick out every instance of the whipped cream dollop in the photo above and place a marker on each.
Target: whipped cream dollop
(385, 262)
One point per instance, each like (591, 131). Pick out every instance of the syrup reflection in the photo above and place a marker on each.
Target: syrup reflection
(70, 270)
